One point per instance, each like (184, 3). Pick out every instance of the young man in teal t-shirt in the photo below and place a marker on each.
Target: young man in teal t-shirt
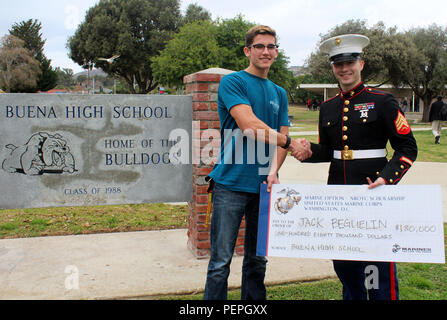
(253, 113)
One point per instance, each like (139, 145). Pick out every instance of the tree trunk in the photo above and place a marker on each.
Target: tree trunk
(130, 85)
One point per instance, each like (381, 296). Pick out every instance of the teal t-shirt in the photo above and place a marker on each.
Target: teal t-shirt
(243, 162)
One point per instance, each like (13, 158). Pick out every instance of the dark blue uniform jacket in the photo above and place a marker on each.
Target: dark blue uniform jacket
(364, 119)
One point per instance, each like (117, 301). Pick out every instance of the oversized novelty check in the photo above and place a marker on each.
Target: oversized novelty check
(389, 223)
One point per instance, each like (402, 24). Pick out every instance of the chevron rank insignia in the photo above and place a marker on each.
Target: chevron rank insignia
(402, 125)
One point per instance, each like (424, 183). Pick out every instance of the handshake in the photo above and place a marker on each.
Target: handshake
(300, 149)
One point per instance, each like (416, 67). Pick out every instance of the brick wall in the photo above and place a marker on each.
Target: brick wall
(203, 87)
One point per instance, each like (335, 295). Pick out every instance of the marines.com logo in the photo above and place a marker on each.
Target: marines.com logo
(284, 204)
(397, 248)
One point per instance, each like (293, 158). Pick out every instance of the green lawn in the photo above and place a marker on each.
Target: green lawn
(428, 151)
(22, 223)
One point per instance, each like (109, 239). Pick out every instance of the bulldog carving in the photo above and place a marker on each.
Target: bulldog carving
(42, 153)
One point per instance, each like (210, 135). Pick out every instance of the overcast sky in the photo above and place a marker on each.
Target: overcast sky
(297, 22)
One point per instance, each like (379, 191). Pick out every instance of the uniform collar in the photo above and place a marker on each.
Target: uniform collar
(348, 95)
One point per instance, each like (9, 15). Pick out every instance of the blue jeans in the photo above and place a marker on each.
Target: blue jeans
(229, 207)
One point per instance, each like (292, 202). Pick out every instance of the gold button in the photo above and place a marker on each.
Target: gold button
(345, 138)
(345, 118)
(364, 120)
(329, 123)
(391, 180)
(397, 174)
(346, 148)
(346, 109)
(345, 128)
(352, 93)
(377, 172)
(402, 167)
(347, 102)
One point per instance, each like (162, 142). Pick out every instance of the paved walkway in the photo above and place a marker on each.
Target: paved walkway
(122, 265)
(145, 264)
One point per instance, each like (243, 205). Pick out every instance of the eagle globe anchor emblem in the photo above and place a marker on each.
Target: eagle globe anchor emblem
(284, 204)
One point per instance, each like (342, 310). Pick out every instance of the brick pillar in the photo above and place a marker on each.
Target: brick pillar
(203, 87)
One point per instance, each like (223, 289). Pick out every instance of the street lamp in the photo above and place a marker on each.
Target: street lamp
(89, 65)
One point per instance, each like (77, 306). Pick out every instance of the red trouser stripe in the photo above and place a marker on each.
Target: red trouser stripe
(393, 282)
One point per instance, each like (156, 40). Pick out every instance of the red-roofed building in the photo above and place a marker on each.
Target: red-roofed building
(56, 91)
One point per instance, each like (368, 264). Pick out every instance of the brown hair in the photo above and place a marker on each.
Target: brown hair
(253, 32)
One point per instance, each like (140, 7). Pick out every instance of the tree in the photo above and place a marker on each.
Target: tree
(206, 44)
(65, 77)
(194, 13)
(18, 68)
(47, 79)
(231, 39)
(136, 30)
(81, 78)
(279, 73)
(29, 32)
(423, 65)
(194, 48)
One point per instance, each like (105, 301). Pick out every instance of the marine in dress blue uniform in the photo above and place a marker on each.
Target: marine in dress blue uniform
(354, 128)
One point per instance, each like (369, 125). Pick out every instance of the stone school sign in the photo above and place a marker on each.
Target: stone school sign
(68, 150)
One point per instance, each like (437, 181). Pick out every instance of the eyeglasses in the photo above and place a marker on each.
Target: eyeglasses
(261, 47)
